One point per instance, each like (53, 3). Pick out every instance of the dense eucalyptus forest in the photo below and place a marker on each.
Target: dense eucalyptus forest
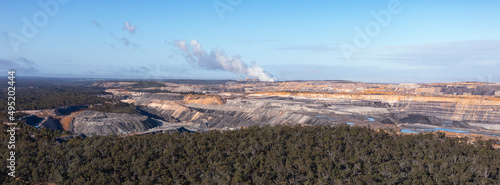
(265, 155)
(51, 97)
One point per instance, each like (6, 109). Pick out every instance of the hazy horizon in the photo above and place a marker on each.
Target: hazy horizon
(230, 79)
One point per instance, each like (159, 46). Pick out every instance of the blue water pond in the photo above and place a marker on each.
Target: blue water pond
(433, 130)
(409, 131)
(448, 130)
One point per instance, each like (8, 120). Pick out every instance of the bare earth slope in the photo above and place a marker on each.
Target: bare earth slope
(472, 108)
(99, 123)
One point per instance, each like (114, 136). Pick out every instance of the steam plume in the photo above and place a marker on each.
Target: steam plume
(218, 60)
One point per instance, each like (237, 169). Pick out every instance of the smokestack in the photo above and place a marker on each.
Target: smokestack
(218, 60)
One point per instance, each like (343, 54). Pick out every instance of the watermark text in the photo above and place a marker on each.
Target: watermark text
(11, 111)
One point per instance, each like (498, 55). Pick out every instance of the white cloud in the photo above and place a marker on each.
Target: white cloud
(181, 44)
(129, 27)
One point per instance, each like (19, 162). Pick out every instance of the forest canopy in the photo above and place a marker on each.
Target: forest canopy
(51, 97)
(266, 155)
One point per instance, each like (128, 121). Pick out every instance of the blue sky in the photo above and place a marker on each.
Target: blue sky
(422, 41)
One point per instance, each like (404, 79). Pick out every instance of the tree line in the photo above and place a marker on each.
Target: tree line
(51, 97)
(118, 107)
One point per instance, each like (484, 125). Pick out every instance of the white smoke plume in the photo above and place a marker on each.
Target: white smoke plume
(218, 60)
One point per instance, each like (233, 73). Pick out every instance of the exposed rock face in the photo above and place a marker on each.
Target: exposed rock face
(113, 84)
(70, 109)
(234, 113)
(204, 99)
(484, 90)
(471, 106)
(67, 122)
(167, 129)
(474, 111)
(259, 109)
(99, 123)
(49, 122)
(403, 117)
(41, 113)
(457, 108)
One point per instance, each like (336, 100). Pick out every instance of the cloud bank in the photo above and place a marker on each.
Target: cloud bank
(218, 60)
